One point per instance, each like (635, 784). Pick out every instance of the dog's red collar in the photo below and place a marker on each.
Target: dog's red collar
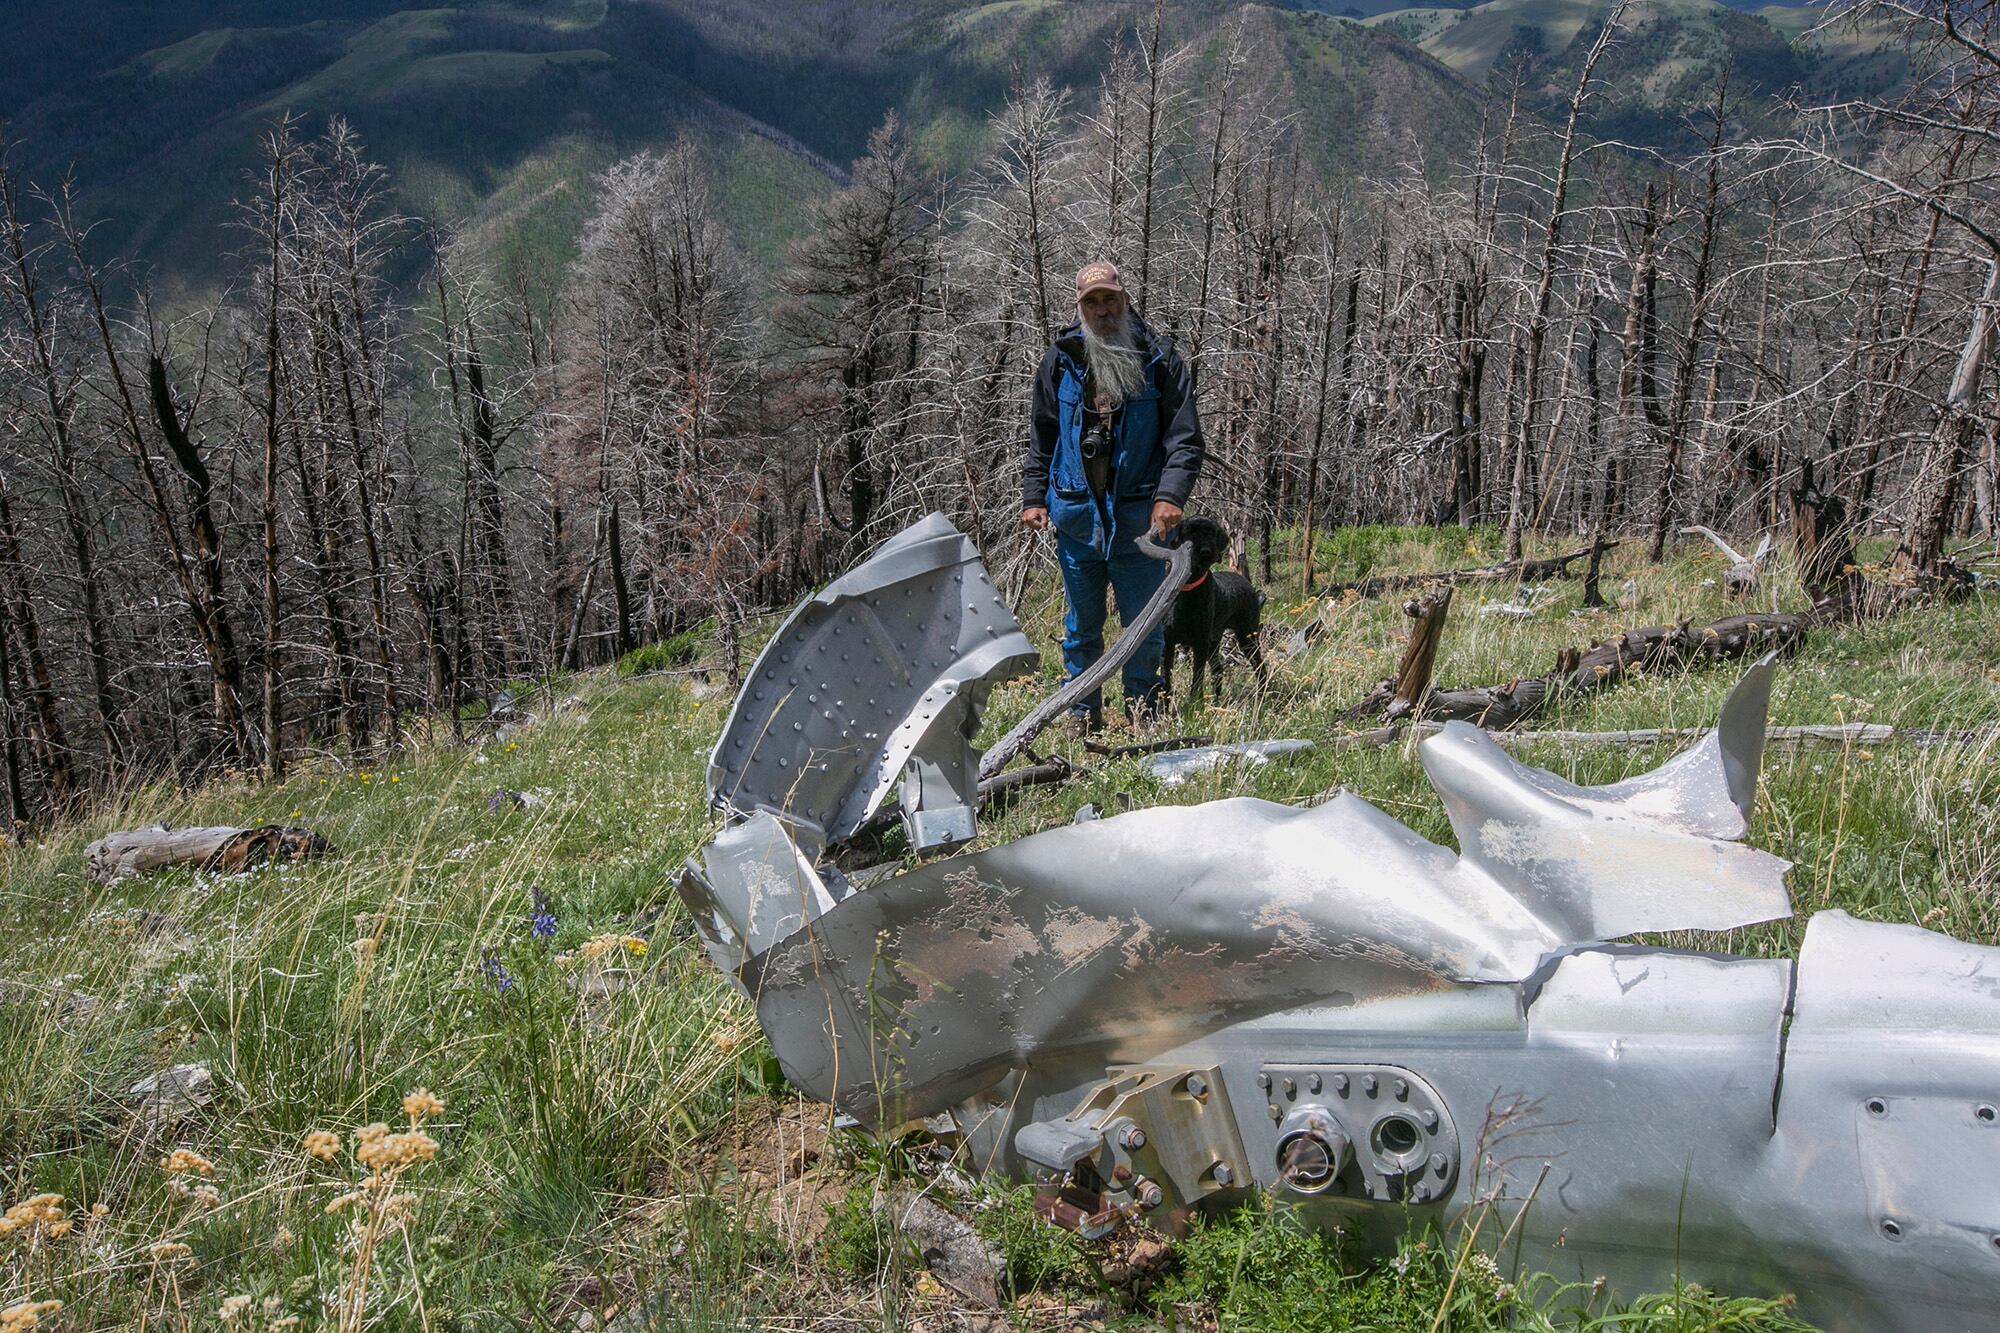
(1190, 587)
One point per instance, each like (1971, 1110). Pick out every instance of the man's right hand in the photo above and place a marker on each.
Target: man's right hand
(1036, 517)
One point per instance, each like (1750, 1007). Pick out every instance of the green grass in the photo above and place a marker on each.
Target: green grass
(589, 1102)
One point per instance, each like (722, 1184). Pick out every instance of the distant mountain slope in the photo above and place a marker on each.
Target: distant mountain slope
(495, 115)
(1665, 64)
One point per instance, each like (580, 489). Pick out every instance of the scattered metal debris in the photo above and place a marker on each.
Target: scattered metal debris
(1739, 580)
(1173, 767)
(1166, 1008)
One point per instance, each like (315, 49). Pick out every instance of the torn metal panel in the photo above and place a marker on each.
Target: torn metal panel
(1889, 1116)
(1162, 923)
(1133, 932)
(1650, 853)
(752, 887)
(880, 675)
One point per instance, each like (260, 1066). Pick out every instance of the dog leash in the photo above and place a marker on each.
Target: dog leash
(1178, 561)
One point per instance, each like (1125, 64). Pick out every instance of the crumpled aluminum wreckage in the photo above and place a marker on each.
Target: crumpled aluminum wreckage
(1171, 1007)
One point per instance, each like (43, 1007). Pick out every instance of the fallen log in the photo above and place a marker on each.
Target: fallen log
(222, 848)
(1507, 571)
(1650, 648)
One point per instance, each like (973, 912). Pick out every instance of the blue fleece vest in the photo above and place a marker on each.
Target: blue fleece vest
(1125, 510)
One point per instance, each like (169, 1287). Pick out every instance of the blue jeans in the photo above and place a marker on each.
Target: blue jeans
(1132, 577)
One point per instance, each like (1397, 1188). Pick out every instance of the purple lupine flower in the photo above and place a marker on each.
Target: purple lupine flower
(542, 922)
(496, 972)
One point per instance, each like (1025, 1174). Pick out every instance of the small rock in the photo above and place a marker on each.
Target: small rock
(154, 925)
(955, 1253)
(174, 1092)
(75, 1006)
(1140, 1265)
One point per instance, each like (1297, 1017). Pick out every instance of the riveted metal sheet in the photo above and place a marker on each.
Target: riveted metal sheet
(886, 664)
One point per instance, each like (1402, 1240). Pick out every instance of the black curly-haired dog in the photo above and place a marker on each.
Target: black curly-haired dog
(1213, 602)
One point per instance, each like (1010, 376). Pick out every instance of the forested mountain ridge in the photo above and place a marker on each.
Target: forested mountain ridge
(497, 114)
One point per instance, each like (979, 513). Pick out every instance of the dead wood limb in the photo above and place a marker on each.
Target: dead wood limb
(1507, 571)
(1598, 546)
(1040, 773)
(227, 849)
(1093, 677)
(1413, 674)
(1834, 736)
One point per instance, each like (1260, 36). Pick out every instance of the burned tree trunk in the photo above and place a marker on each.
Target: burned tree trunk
(1935, 493)
(1399, 696)
(201, 577)
(1822, 540)
(58, 775)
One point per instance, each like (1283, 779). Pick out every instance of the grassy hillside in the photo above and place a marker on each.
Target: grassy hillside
(499, 928)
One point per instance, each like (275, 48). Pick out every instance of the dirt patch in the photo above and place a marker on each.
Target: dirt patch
(769, 1161)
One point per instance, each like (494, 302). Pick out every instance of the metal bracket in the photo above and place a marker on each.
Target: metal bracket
(1152, 1141)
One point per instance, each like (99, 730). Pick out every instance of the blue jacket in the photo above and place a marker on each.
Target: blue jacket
(1157, 452)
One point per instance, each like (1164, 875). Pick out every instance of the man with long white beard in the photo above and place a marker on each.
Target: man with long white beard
(1116, 448)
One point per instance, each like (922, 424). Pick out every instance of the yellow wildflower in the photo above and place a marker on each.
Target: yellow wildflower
(163, 1251)
(187, 1159)
(44, 1210)
(323, 1145)
(24, 1315)
(390, 1151)
(635, 946)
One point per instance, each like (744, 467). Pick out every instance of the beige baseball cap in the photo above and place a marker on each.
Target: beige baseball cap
(1099, 275)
